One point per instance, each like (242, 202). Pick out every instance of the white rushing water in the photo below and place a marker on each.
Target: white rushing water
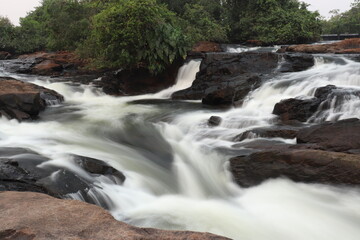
(175, 177)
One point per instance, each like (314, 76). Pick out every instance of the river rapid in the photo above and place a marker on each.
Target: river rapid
(176, 166)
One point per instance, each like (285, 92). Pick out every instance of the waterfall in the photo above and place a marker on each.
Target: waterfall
(176, 166)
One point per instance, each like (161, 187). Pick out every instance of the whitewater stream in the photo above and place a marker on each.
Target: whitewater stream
(176, 166)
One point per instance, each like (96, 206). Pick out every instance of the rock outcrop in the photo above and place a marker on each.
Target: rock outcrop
(226, 78)
(326, 153)
(347, 46)
(4, 55)
(303, 109)
(138, 81)
(35, 216)
(43, 63)
(23, 101)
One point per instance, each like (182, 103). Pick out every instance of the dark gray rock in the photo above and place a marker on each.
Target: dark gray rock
(297, 62)
(214, 121)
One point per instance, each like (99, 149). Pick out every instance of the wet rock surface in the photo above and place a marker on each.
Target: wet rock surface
(286, 132)
(304, 165)
(35, 216)
(23, 101)
(225, 78)
(303, 109)
(138, 81)
(341, 136)
(327, 153)
(25, 170)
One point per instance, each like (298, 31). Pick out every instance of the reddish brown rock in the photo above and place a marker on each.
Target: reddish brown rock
(4, 55)
(204, 47)
(47, 67)
(35, 216)
(21, 100)
(43, 63)
(344, 47)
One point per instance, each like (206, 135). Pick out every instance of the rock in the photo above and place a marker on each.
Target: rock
(271, 132)
(44, 63)
(4, 55)
(226, 78)
(340, 136)
(348, 46)
(214, 121)
(296, 109)
(22, 101)
(19, 171)
(324, 99)
(296, 62)
(40, 217)
(47, 67)
(139, 81)
(98, 167)
(205, 47)
(300, 165)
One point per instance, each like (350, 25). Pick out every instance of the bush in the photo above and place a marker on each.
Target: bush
(136, 33)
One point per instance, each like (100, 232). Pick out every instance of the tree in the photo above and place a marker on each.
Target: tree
(137, 33)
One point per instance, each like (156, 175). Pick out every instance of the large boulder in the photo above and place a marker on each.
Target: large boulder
(348, 46)
(35, 216)
(296, 62)
(138, 81)
(338, 136)
(21, 100)
(300, 165)
(226, 78)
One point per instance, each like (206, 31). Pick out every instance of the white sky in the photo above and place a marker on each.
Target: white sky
(14, 9)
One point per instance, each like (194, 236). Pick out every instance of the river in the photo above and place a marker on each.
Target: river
(176, 166)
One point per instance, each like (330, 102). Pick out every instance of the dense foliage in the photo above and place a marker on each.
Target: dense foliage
(152, 33)
(347, 22)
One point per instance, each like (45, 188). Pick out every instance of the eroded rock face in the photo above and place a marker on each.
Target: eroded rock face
(22, 101)
(300, 165)
(225, 78)
(40, 217)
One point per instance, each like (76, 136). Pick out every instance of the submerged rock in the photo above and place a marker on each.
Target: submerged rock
(214, 121)
(22, 101)
(41, 217)
(269, 132)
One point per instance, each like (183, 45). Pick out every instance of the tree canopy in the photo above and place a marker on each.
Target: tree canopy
(152, 33)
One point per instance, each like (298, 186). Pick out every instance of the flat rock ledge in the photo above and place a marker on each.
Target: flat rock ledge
(36, 216)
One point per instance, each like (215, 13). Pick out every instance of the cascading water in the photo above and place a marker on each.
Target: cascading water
(176, 175)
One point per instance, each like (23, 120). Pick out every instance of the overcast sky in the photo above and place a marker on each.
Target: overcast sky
(14, 9)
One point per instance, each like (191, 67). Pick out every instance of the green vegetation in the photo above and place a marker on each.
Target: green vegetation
(153, 33)
(347, 22)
